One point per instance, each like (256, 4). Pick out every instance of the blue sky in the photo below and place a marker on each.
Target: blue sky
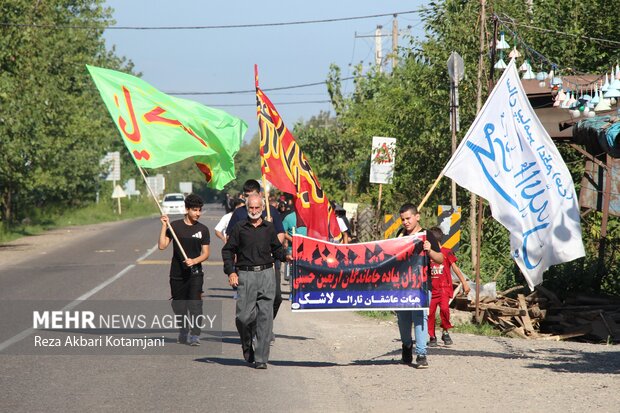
(223, 60)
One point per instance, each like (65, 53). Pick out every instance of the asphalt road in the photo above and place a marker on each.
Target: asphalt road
(334, 362)
(122, 257)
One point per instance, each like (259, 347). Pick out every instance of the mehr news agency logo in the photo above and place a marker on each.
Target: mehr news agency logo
(88, 320)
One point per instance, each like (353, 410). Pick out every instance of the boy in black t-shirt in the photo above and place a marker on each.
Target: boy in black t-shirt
(186, 276)
(410, 218)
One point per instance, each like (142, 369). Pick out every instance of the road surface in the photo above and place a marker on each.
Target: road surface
(334, 362)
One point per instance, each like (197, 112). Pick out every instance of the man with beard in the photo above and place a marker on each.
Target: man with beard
(255, 245)
(251, 186)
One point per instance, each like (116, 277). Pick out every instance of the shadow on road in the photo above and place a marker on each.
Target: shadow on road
(227, 296)
(473, 353)
(232, 337)
(557, 360)
(284, 363)
(373, 362)
(14, 247)
(570, 361)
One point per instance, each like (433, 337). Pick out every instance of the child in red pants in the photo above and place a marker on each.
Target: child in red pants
(442, 291)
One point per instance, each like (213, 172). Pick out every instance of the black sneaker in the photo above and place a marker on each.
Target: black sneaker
(445, 337)
(407, 355)
(182, 338)
(432, 342)
(421, 363)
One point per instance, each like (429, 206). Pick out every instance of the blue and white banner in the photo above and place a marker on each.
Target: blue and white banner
(508, 158)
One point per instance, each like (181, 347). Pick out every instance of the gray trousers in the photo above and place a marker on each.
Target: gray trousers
(254, 313)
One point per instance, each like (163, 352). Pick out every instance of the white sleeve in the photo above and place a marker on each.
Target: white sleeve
(221, 226)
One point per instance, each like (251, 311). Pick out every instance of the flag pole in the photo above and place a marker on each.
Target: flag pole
(430, 191)
(174, 235)
(267, 206)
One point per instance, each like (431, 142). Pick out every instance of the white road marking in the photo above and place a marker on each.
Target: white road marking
(20, 336)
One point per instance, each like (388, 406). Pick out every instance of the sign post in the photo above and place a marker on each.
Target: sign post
(456, 70)
(118, 193)
(382, 163)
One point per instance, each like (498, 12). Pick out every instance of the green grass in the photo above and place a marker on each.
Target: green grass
(467, 328)
(478, 329)
(379, 315)
(104, 211)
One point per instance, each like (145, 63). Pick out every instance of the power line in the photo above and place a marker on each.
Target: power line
(234, 92)
(214, 27)
(536, 54)
(303, 102)
(541, 29)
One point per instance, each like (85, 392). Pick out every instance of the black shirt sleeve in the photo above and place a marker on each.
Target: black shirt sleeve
(276, 219)
(277, 249)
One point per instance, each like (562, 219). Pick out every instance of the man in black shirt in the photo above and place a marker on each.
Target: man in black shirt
(255, 244)
(251, 186)
(186, 276)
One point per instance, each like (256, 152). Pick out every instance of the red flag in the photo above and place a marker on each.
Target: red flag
(285, 166)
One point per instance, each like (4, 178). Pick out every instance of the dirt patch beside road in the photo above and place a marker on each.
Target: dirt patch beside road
(477, 373)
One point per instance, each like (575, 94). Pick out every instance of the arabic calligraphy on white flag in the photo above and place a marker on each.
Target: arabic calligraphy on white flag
(508, 158)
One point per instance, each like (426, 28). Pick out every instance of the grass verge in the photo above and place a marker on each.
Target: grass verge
(379, 315)
(478, 329)
(467, 328)
(104, 211)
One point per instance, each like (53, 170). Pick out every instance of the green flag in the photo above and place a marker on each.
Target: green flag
(159, 129)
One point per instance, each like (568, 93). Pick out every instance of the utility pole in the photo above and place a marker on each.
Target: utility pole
(378, 51)
(394, 43)
(378, 43)
(456, 70)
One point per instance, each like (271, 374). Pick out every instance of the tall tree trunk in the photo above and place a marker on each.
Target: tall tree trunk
(7, 210)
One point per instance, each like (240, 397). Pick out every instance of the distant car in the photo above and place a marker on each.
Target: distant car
(173, 204)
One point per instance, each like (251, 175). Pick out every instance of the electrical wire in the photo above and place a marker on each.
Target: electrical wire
(598, 191)
(214, 27)
(543, 58)
(542, 29)
(235, 92)
(275, 103)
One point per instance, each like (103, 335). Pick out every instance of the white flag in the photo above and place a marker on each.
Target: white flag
(508, 158)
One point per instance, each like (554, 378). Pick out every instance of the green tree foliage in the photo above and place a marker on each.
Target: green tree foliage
(53, 127)
(412, 105)
(247, 164)
(328, 155)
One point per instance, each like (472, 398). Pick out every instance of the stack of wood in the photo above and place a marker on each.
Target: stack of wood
(541, 315)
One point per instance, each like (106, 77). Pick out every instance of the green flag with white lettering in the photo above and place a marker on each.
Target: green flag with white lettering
(159, 129)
